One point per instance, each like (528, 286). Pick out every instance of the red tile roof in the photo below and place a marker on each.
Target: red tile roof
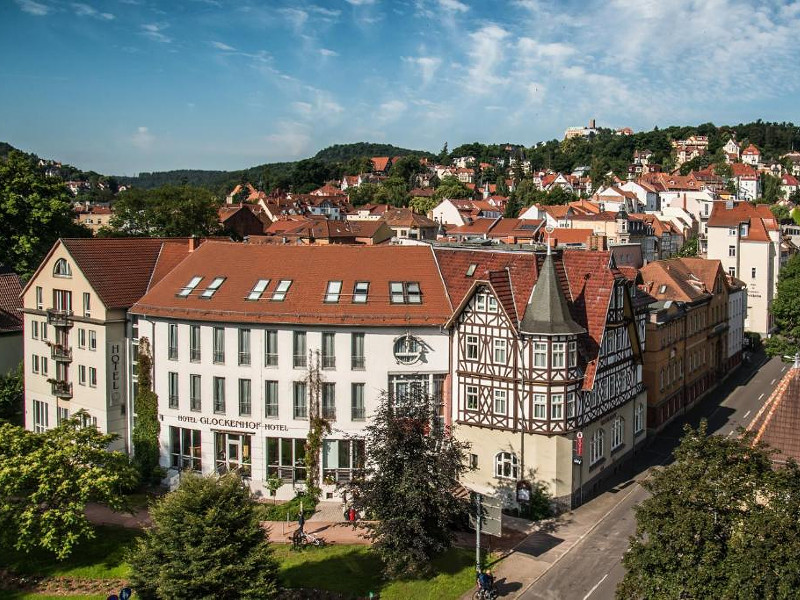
(10, 301)
(309, 268)
(759, 217)
(779, 418)
(380, 163)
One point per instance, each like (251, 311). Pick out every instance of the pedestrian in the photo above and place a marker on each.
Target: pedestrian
(301, 521)
(351, 516)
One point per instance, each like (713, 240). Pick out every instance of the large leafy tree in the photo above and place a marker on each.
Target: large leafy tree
(450, 187)
(12, 389)
(168, 211)
(786, 311)
(47, 479)
(35, 210)
(721, 523)
(413, 465)
(205, 542)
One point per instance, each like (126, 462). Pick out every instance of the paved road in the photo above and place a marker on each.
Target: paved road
(592, 569)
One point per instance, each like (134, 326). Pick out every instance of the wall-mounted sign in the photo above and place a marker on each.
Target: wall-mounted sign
(232, 423)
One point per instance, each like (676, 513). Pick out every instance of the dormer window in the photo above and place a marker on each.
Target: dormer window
(743, 229)
(258, 289)
(212, 287)
(280, 291)
(333, 291)
(189, 287)
(62, 268)
(360, 292)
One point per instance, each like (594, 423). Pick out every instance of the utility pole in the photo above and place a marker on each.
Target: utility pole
(477, 532)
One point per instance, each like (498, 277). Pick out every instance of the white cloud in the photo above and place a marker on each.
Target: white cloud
(143, 139)
(297, 18)
(84, 10)
(291, 140)
(330, 13)
(154, 32)
(33, 8)
(453, 5)
(487, 54)
(360, 2)
(222, 46)
(427, 66)
(327, 52)
(393, 106)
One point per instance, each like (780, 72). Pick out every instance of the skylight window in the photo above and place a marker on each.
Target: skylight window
(413, 295)
(280, 291)
(471, 270)
(396, 292)
(360, 292)
(189, 287)
(212, 287)
(405, 292)
(662, 289)
(258, 289)
(333, 292)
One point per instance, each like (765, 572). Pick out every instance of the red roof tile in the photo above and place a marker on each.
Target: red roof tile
(10, 302)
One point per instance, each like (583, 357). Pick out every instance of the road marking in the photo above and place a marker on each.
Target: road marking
(596, 585)
(761, 396)
(748, 412)
(730, 433)
(772, 382)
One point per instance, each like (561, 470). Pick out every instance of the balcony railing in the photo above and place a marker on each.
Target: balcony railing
(60, 353)
(329, 412)
(328, 362)
(334, 476)
(300, 361)
(59, 318)
(61, 389)
(357, 362)
(244, 358)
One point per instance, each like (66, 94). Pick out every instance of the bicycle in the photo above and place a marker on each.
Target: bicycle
(301, 539)
(482, 594)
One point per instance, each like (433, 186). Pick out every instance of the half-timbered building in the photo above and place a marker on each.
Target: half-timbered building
(546, 354)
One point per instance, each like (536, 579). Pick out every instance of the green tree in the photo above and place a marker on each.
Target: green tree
(147, 428)
(706, 531)
(12, 394)
(35, 210)
(407, 168)
(393, 191)
(786, 311)
(690, 247)
(205, 542)
(444, 156)
(771, 190)
(366, 193)
(450, 187)
(780, 212)
(168, 211)
(422, 204)
(47, 479)
(413, 465)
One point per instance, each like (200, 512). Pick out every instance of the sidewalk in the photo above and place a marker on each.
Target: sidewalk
(337, 532)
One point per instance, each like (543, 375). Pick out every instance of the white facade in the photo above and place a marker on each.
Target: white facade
(737, 313)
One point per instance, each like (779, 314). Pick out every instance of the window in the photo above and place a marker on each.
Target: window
(219, 345)
(258, 289)
(244, 346)
(480, 302)
(500, 402)
(328, 350)
(271, 399)
(62, 300)
(472, 397)
(731, 230)
(557, 406)
(407, 350)
(212, 287)
(172, 341)
(281, 289)
(492, 304)
(360, 292)
(743, 229)
(473, 461)
(173, 390)
(189, 287)
(81, 374)
(245, 398)
(341, 457)
(333, 292)
(753, 273)
(299, 403)
(194, 343)
(358, 411)
(571, 405)
(286, 458)
(87, 304)
(299, 349)
(540, 354)
(219, 394)
(559, 350)
(662, 288)
(505, 465)
(472, 347)
(92, 377)
(500, 351)
(732, 271)
(329, 400)
(62, 268)
(35, 330)
(39, 298)
(617, 433)
(195, 398)
(731, 250)
(596, 446)
(270, 348)
(405, 292)
(233, 453)
(63, 415)
(638, 418)
(471, 269)
(185, 449)
(40, 420)
(92, 339)
(396, 292)
(539, 406)
(44, 365)
(357, 351)
(573, 355)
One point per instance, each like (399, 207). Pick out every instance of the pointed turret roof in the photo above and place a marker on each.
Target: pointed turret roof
(547, 311)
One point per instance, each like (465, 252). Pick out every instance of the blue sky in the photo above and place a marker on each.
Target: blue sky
(122, 86)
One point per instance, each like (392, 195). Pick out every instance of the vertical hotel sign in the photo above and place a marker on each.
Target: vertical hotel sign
(116, 373)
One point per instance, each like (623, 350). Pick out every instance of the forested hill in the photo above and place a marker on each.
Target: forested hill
(345, 152)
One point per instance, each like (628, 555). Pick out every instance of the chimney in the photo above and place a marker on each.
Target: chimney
(193, 243)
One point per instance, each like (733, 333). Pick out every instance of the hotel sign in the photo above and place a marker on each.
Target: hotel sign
(232, 423)
(115, 366)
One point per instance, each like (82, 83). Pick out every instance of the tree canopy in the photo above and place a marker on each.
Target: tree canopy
(451, 188)
(413, 466)
(12, 392)
(47, 479)
(206, 542)
(721, 523)
(786, 311)
(35, 210)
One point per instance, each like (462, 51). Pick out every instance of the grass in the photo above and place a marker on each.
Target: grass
(277, 512)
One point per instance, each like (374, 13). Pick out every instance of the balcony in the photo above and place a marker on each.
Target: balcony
(59, 318)
(61, 389)
(60, 353)
(328, 362)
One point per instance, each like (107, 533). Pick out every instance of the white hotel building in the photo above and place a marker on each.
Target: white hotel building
(245, 339)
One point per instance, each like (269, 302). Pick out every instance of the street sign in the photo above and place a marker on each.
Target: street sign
(491, 515)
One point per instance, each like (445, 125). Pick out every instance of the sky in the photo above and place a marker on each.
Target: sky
(123, 86)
